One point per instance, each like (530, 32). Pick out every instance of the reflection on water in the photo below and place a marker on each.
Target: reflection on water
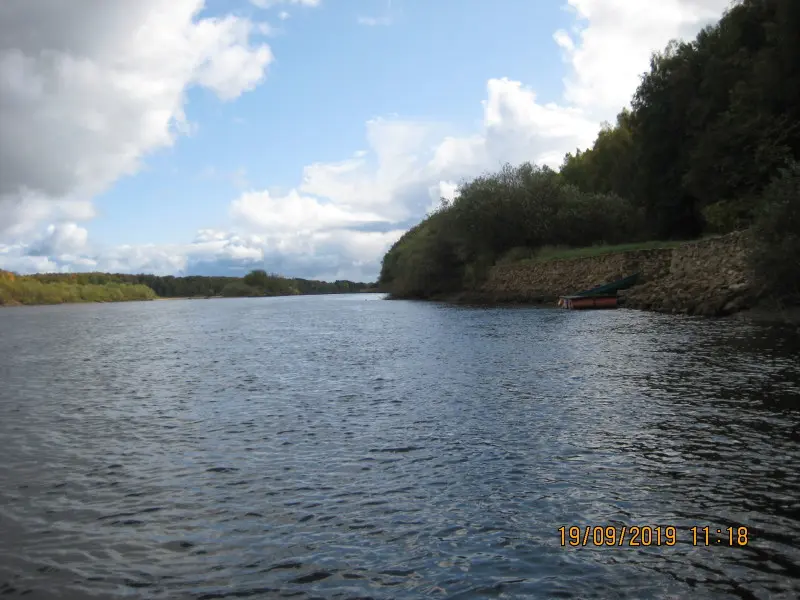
(347, 447)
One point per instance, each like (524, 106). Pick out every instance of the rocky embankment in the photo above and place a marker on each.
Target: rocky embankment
(708, 277)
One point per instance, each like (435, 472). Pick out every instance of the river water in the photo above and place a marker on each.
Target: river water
(350, 447)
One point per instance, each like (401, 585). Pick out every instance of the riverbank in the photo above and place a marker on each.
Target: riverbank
(190, 298)
(14, 303)
(770, 314)
(709, 277)
(764, 313)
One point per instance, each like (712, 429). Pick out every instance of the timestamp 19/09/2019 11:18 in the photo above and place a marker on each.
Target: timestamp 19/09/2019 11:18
(636, 536)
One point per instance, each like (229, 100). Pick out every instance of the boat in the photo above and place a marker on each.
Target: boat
(602, 296)
(583, 302)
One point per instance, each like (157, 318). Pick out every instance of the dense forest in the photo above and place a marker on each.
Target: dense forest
(56, 288)
(708, 145)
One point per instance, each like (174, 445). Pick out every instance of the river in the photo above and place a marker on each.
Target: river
(351, 447)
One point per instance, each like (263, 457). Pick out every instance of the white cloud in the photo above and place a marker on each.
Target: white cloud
(15, 258)
(87, 89)
(408, 158)
(20, 218)
(324, 254)
(516, 128)
(60, 239)
(264, 212)
(395, 164)
(613, 43)
(283, 15)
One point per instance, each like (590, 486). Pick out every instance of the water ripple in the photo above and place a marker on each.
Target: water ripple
(343, 447)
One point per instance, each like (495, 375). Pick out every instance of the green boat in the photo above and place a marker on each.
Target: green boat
(610, 289)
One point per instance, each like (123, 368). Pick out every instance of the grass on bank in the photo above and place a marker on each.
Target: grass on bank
(548, 253)
(556, 253)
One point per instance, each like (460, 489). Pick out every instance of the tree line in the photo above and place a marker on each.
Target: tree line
(261, 283)
(56, 288)
(709, 145)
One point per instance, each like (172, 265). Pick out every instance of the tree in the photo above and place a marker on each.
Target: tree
(257, 279)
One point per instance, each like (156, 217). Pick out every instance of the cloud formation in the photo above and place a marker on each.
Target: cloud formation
(88, 89)
(611, 44)
(60, 239)
(340, 218)
(328, 255)
(295, 213)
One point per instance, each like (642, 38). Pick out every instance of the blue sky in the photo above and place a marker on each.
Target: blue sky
(331, 74)
(294, 135)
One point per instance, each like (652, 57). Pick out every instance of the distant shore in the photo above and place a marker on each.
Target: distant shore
(13, 303)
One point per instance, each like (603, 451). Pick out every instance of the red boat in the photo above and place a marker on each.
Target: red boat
(583, 302)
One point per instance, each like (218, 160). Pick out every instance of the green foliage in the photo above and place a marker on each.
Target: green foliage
(266, 285)
(776, 252)
(423, 262)
(239, 288)
(716, 118)
(340, 286)
(261, 284)
(607, 166)
(711, 123)
(506, 215)
(32, 290)
(556, 252)
(257, 279)
(164, 286)
(726, 216)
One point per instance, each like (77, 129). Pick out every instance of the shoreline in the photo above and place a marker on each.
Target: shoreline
(764, 313)
(770, 315)
(710, 277)
(170, 298)
(16, 303)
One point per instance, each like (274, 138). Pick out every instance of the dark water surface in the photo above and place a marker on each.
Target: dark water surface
(348, 447)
